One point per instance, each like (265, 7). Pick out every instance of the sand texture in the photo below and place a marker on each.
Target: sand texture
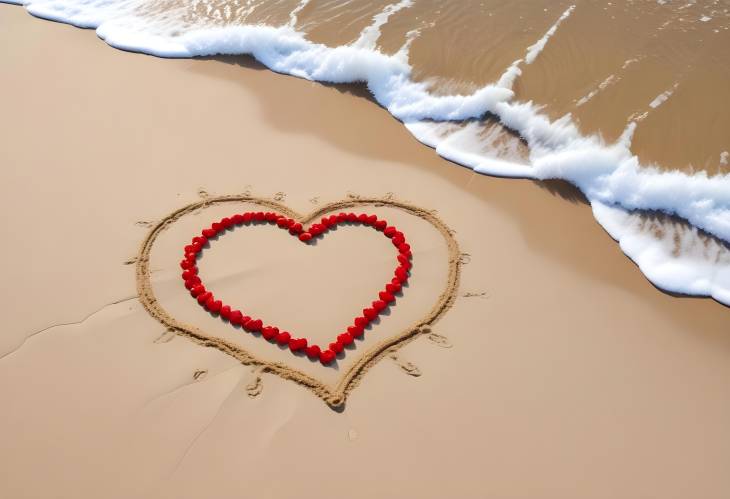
(559, 371)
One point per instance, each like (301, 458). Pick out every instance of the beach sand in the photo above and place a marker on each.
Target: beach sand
(567, 374)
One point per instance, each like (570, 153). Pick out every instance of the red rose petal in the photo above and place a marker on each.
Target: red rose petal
(379, 305)
(345, 339)
(355, 331)
(313, 351)
(296, 344)
(327, 356)
(370, 313)
(236, 318)
(213, 305)
(253, 325)
(269, 332)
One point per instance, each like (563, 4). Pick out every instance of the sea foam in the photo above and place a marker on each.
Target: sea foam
(609, 175)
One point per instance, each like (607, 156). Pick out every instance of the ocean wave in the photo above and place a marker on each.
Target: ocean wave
(609, 174)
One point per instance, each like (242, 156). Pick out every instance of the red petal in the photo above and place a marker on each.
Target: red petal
(283, 338)
(236, 317)
(345, 339)
(313, 351)
(327, 356)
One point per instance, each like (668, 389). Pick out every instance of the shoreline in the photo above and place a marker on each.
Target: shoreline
(626, 190)
(564, 360)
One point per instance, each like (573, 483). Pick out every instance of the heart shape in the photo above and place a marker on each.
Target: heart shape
(386, 297)
(334, 395)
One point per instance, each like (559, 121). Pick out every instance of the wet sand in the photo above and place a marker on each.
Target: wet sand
(569, 375)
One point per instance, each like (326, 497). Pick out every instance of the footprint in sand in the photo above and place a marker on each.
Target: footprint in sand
(408, 367)
(256, 386)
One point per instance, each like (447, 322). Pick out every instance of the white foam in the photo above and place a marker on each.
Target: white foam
(294, 14)
(369, 36)
(662, 97)
(672, 256)
(608, 174)
(601, 86)
(513, 72)
(724, 157)
(534, 50)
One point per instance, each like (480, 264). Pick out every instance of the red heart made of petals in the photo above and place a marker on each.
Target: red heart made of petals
(383, 299)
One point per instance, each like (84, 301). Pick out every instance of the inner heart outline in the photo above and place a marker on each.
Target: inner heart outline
(193, 253)
(334, 396)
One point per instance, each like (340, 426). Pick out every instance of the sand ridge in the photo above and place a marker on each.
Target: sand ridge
(334, 396)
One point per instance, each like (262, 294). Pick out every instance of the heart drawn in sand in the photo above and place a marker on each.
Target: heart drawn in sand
(307, 228)
(385, 297)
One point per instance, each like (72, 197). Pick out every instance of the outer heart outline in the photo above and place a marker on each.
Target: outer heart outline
(334, 396)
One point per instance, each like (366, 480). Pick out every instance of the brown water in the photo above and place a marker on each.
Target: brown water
(605, 64)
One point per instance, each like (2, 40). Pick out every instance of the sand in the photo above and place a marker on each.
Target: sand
(568, 374)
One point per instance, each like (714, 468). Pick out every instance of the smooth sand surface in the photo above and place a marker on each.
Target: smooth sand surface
(568, 376)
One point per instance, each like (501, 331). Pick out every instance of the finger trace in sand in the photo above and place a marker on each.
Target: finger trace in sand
(65, 324)
(407, 367)
(334, 396)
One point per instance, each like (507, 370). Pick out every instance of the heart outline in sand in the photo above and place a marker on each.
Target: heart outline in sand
(334, 396)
